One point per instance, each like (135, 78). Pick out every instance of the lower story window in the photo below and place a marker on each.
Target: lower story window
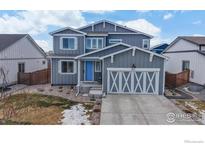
(21, 67)
(67, 67)
(97, 66)
(185, 65)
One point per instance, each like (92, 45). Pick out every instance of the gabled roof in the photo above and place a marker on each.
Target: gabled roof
(159, 48)
(62, 29)
(7, 40)
(199, 40)
(121, 26)
(105, 48)
(105, 52)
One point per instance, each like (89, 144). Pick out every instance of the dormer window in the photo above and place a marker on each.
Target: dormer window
(145, 43)
(94, 43)
(68, 43)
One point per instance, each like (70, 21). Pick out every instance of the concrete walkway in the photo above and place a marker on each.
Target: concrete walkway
(141, 110)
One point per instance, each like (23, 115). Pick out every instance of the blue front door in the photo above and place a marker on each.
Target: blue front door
(89, 71)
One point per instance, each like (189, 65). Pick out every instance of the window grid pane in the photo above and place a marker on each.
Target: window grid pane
(65, 43)
(69, 43)
(94, 43)
(88, 43)
(100, 43)
(67, 67)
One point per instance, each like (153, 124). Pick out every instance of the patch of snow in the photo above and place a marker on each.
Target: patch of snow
(75, 116)
(187, 90)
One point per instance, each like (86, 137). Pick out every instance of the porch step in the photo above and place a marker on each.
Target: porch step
(85, 87)
(95, 93)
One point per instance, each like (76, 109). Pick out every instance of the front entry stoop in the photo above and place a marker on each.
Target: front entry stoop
(95, 92)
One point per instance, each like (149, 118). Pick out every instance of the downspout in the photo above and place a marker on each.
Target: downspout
(78, 85)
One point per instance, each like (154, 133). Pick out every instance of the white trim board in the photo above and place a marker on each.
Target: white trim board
(135, 69)
(134, 47)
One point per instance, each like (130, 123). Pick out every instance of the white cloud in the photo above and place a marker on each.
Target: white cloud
(198, 35)
(36, 22)
(43, 44)
(147, 27)
(143, 11)
(98, 11)
(142, 25)
(167, 16)
(197, 22)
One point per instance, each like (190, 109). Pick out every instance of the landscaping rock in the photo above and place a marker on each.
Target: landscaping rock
(97, 108)
(96, 118)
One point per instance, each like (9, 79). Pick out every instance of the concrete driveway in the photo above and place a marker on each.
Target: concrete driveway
(141, 110)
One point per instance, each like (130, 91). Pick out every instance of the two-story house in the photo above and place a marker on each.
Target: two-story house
(114, 56)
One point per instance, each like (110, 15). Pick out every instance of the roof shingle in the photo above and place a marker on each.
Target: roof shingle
(199, 40)
(8, 39)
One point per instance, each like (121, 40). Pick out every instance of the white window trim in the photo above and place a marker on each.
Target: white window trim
(110, 41)
(96, 67)
(75, 43)
(60, 66)
(143, 42)
(91, 38)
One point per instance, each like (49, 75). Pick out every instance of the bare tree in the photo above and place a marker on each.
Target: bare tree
(3, 81)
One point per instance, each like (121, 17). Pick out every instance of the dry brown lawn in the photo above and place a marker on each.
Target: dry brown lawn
(33, 109)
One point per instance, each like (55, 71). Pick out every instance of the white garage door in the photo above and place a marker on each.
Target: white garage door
(133, 80)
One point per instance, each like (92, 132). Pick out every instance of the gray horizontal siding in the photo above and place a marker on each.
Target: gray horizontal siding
(107, 51)
(131, 39)
(78, 51)
(140, 60)
(62, 79)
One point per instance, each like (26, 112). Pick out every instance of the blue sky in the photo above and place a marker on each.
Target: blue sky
(164, 25)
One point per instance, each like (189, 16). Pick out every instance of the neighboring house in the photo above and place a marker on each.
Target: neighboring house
(20, 53)
(187, 52)
(159, 48)
(115, 56)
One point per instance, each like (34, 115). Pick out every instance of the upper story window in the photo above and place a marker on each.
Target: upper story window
(145, 44)
(94, 43)
(113, 41)
(68, 43)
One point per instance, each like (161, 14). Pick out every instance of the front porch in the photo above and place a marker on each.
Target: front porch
(90, 77)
